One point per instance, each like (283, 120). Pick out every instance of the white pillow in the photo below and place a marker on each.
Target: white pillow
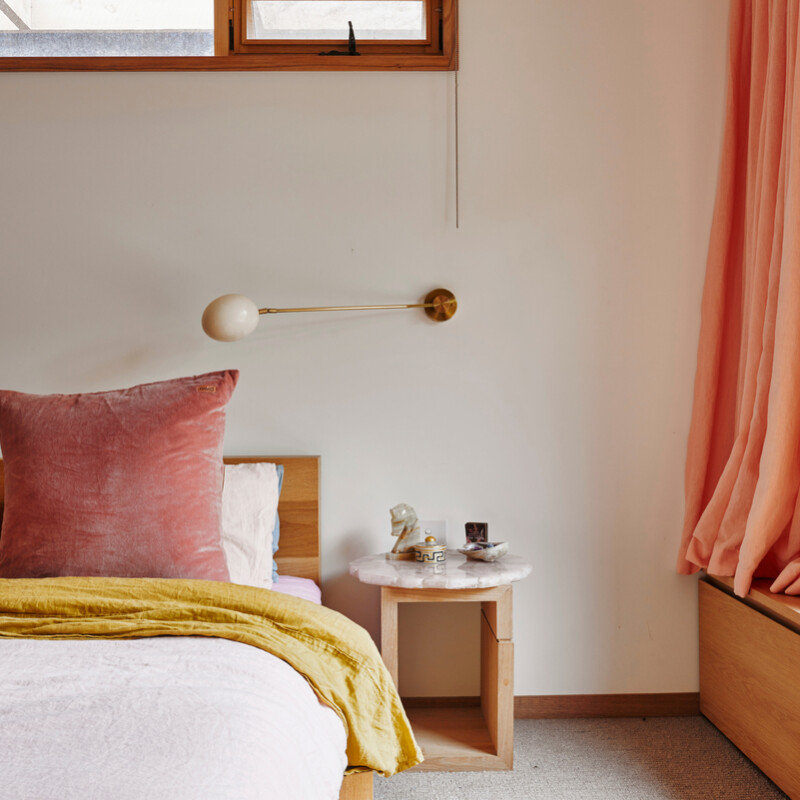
(249, 504)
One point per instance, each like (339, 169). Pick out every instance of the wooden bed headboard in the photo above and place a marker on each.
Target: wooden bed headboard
(298, 553)
(298, 509)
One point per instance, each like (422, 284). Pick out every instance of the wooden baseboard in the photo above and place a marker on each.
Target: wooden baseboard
(440, 702)
(573, 706)
(576, 706)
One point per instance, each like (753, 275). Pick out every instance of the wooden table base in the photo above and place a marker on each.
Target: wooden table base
(468, 737)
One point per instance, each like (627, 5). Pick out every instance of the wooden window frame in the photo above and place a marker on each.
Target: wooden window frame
(232, 54)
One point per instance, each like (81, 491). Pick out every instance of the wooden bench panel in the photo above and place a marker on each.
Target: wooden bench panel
(749, 665)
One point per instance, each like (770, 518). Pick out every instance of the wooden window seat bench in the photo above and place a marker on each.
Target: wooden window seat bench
(750, 674)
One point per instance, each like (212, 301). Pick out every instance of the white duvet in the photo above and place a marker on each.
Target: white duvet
(178, 718)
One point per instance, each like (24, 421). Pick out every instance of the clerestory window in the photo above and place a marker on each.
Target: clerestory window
(227, 34)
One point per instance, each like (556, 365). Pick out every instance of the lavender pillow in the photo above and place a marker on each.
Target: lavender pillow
(125, 483)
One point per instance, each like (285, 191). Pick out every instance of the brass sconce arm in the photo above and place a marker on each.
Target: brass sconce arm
(234, 316)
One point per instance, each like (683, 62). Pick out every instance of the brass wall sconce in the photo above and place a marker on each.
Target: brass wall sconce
(234, 316)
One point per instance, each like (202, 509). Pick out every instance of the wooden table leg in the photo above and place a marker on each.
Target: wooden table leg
(389, 649)
(497, 675)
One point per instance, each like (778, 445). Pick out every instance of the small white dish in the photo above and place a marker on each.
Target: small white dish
(489, 552)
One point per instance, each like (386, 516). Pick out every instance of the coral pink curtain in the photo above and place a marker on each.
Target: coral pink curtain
(743, 460)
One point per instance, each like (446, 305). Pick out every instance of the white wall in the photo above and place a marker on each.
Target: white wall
(555, 404)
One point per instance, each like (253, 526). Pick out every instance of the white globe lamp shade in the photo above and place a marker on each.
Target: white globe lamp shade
(230, 318)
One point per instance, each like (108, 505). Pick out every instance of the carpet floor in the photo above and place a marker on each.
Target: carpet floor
(658, 758)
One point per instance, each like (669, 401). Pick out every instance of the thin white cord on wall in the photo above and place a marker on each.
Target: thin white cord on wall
(458, 210)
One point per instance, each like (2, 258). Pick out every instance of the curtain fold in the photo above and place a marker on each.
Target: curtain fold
(743, 459)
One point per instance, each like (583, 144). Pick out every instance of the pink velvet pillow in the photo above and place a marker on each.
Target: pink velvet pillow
(123, 484)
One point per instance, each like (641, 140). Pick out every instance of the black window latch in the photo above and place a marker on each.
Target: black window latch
(351, 46)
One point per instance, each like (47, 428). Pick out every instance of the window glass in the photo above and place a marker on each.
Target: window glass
(106, 27)
(328, 19)
(165, 35)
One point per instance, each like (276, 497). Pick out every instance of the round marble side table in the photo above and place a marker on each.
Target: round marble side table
(469, 737)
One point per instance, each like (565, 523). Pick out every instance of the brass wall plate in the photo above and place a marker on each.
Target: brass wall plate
(440, 304)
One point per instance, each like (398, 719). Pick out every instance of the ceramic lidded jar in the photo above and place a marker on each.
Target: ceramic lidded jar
(431, 552)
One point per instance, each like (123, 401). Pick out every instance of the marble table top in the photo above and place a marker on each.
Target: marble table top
(457, 572)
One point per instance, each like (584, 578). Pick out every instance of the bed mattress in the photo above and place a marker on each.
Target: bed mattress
(165, 717)
(304, 588)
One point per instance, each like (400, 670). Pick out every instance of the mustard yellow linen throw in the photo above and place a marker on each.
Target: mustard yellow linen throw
(337, 657)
